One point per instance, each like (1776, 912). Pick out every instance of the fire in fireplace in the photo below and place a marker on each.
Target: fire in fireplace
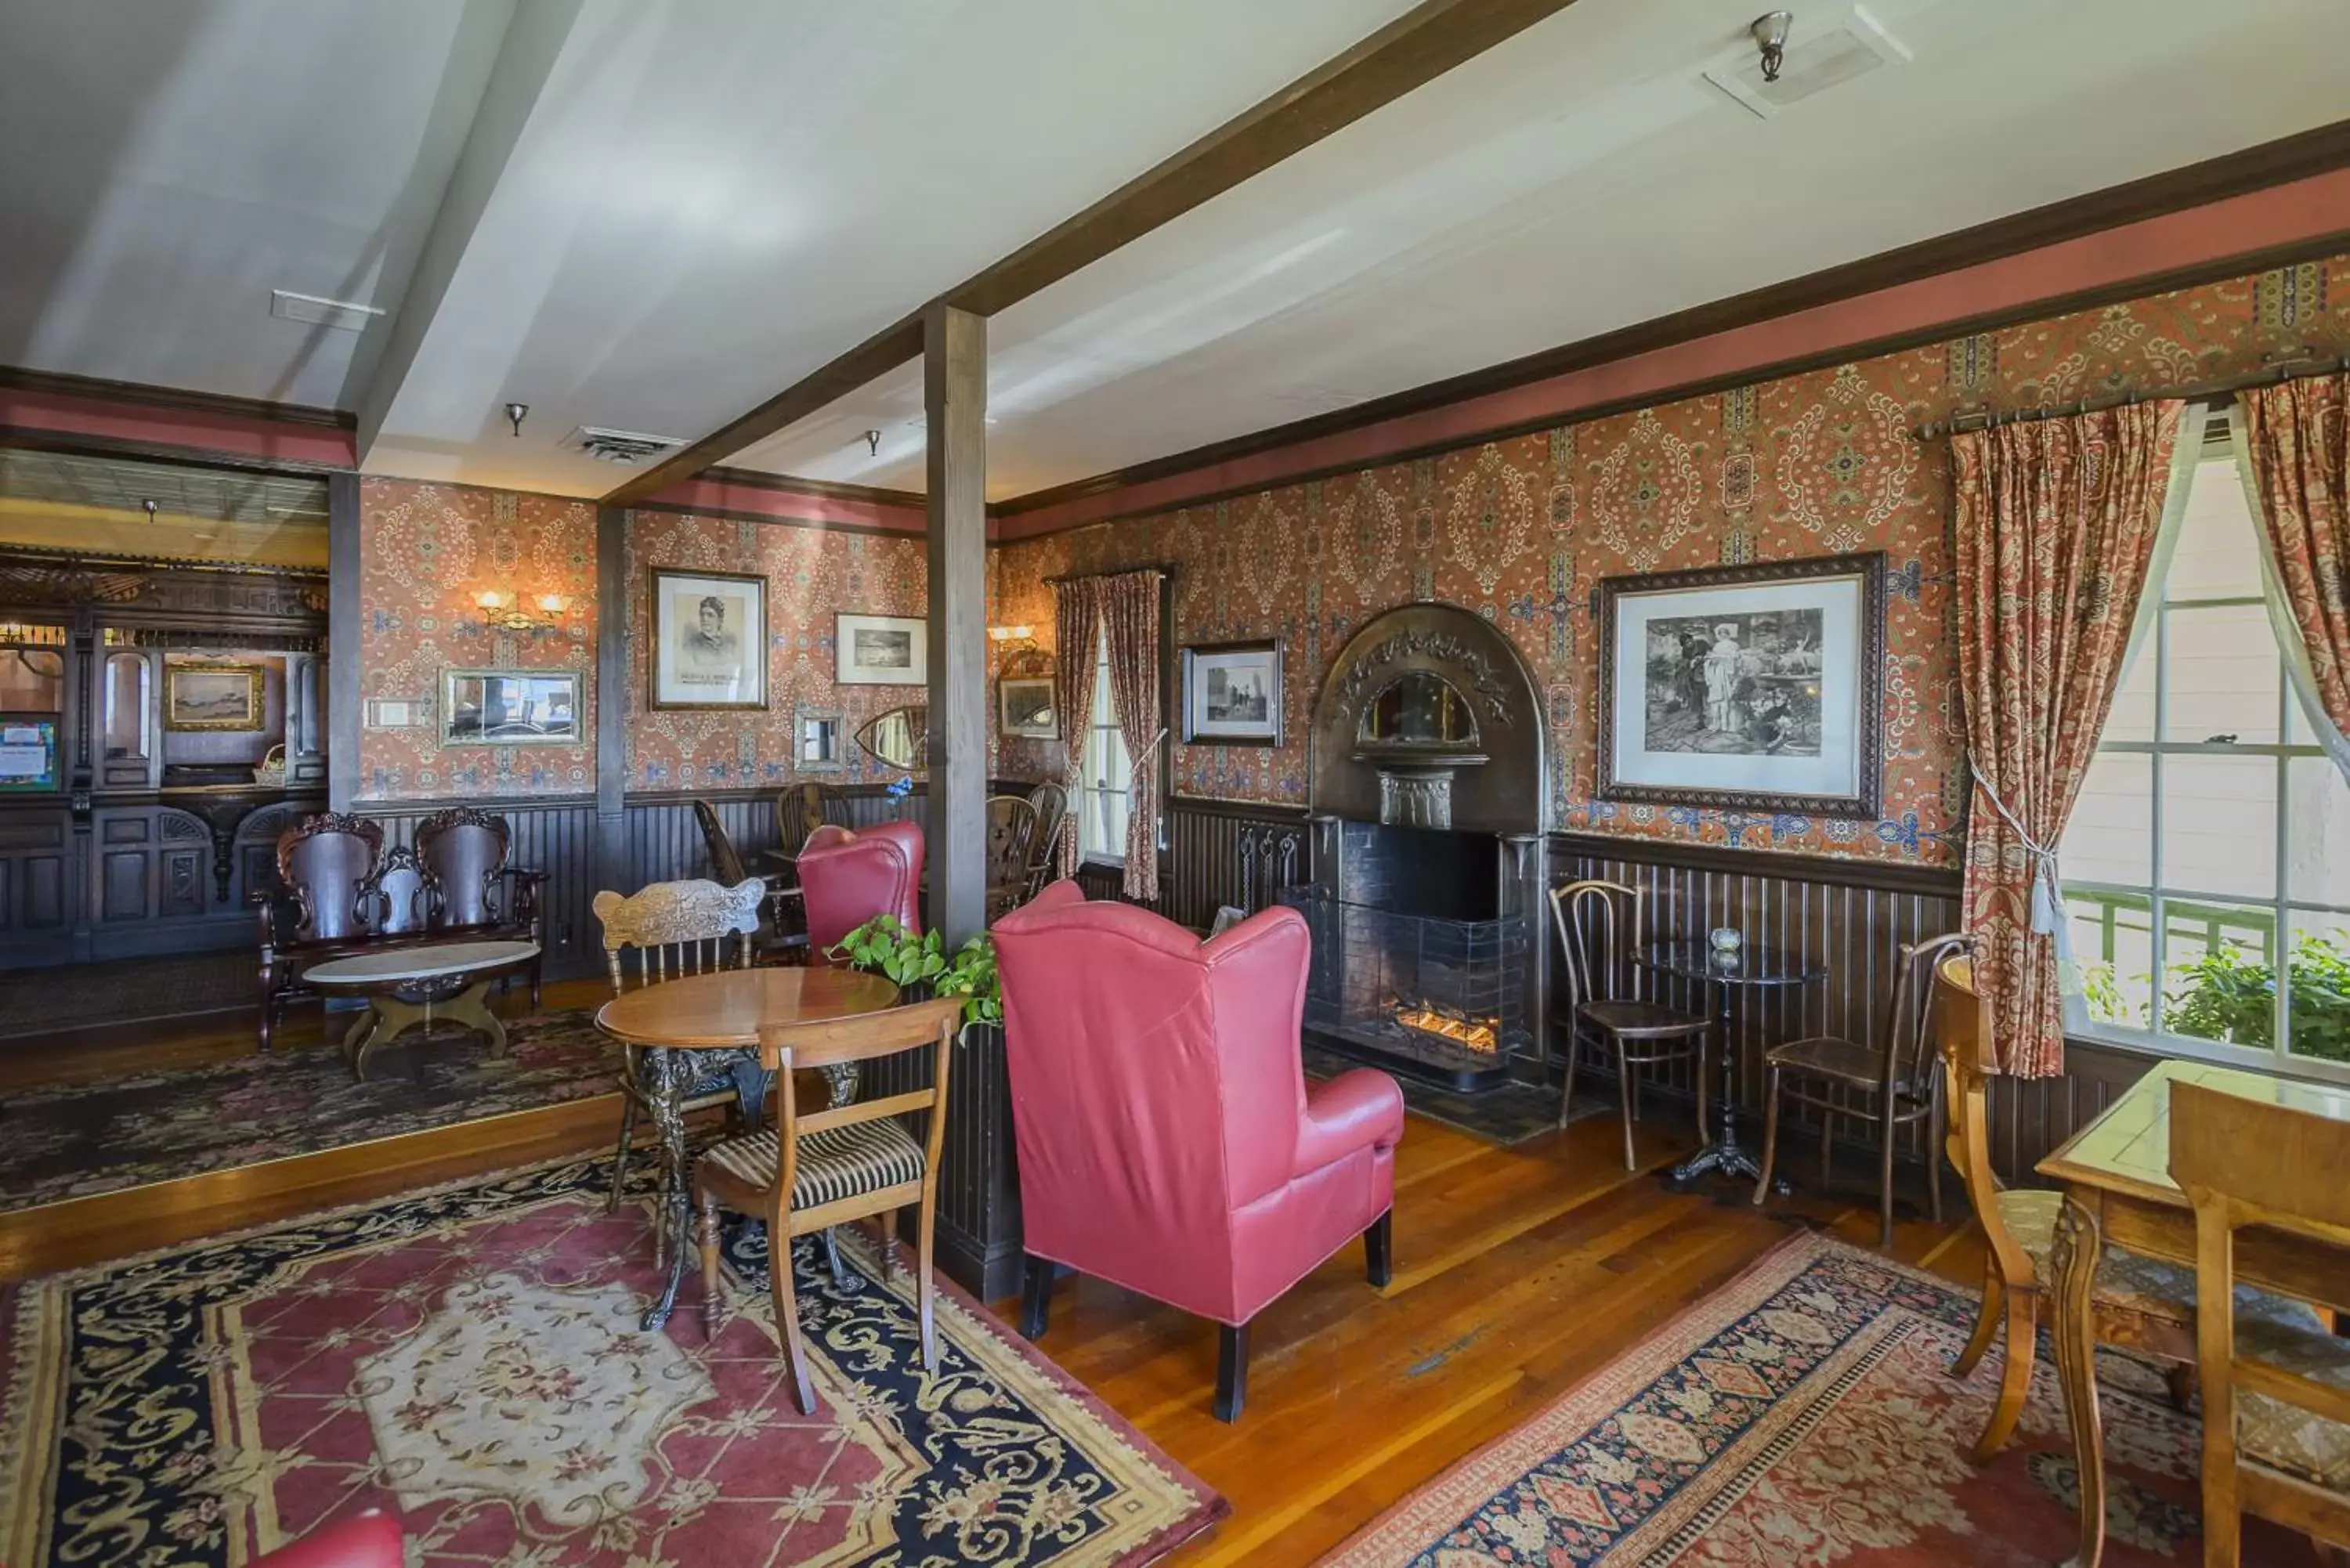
(1484, 1035)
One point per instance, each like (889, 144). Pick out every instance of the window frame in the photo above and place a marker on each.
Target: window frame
(1102, 727)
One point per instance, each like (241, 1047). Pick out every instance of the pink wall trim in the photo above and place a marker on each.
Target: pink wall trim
(790, 505)
(196, 431)
(2303, 209)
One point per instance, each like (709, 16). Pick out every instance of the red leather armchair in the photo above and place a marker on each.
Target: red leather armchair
(369, 1540)
(1168, 1141)
(848, 876)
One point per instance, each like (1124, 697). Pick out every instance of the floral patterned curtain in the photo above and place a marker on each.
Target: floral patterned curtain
(1074, 623)
(2294, 450)
(1130, 620)
(2056, 520)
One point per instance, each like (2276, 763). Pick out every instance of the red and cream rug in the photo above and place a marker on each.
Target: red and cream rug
(1805, 1413)
(469, 1358)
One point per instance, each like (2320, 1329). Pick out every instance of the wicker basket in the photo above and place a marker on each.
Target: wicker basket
(272, 770)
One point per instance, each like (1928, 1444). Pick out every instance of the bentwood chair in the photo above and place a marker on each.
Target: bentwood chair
(1011, 838)
(1599, 924)
(1052, 803)
(672, 930)
(808, 1173)
(1899, 1081)
(2276, 1396)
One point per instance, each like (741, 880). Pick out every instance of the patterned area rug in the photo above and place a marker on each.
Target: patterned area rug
(1805, 1414)
(469, 1357)
(69, 1140)
(125, 990)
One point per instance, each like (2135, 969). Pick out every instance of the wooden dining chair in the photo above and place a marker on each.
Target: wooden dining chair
(665, 931)
(1011, 836)
(2276, 1396)
(808, 1173)
(805, 808)
(1898, 1079)
(1599, 925)
(1052, 803)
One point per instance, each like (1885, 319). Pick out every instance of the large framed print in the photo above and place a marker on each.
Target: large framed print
(1231, 693)
(709, 638)
(510, 707)
(1745, 688)
(212, 697)
(882, 650)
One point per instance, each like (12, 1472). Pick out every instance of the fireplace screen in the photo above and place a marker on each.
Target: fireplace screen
(1443, 998)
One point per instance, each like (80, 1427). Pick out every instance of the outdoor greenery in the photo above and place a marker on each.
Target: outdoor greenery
(2229, 994)
(921, 966)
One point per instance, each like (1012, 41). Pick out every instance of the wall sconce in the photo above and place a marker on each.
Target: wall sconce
(504, 611)
(1011, 634)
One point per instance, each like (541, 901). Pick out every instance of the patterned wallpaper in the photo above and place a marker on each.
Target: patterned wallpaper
(1521, 531)
(425, 551)
(812, 574)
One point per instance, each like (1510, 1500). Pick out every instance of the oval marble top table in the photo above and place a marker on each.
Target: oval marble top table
(434, 961)
(408, 987)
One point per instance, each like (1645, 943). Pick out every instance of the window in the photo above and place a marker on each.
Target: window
(1107, 773)
(2211, 839)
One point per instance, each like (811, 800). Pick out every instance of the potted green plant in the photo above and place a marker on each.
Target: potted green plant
(883, 946)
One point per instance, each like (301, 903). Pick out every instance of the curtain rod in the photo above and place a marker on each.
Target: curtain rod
(1164, 568)
(2217, 393)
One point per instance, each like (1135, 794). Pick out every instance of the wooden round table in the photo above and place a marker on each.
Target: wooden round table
(693, 1029)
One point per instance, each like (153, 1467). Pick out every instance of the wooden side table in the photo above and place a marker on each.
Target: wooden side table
(410, 987)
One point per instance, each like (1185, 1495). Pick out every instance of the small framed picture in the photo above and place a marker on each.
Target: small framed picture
(1745, 688)
(1231, 693)
(1026, 709)
(510, 707)
(882, 650)
(817, 745)
(28, 752)
(709, 638)
(212, 697)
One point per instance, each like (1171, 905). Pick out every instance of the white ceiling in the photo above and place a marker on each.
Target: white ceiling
(653, 215)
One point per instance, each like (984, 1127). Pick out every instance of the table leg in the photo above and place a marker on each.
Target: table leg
(1725, 1156)
(471, 1007)
(357, 1032)
(842, 1079)
(667, 1075)
(2074, 1262)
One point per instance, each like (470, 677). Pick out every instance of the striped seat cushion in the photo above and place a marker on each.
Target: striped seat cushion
(834, 1163)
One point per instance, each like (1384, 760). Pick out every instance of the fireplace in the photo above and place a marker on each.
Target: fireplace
(1425, 909)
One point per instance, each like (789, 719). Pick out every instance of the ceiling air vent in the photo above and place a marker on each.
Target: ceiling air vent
(627, 448)
(1818, 57)
(342, 314)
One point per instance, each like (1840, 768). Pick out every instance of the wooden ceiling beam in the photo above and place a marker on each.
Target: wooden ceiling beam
(1410, 51)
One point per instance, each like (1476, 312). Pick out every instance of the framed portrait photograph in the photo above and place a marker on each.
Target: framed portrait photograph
(1231, 693)
(881, 649)
(212, 697)
(709, 638)
(1745, 688)
(1026, 708)
(510, 707)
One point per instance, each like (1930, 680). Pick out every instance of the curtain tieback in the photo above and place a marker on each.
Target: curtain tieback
(2047, 905)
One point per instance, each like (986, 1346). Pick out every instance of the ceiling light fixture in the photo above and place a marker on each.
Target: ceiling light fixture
(517, 412)
(1770, 31)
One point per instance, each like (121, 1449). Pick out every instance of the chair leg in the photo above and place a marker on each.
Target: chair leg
(1986, 1320)
(707, 1234)
(2015, 1376)
(1770, 1135)
(1936, 1118)
(926, 1292)
(1624, 1094)
(1378, 1250)
(1704, 1126)
(1884, 1129)
(1827, 1144)
(1035, 1296)
(787, 1312)
(620, 1154)
(1231, 1370)
(1573, 1061)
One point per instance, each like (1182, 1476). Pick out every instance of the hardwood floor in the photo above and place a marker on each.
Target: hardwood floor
(1519, 1272)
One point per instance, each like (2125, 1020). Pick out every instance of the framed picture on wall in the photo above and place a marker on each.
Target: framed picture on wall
(28, 752)
(1026, 709)
(709, 636)
(1231, 693)
(881, 649)
(510, 707)
(212, 697)
(1745, 688)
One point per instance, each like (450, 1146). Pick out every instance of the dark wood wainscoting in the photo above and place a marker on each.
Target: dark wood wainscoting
(1849, 918)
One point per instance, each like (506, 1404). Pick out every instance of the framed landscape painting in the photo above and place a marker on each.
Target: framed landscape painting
(1231, 693)
(1745, 688)
(709, 638)
(1025, 707)
(212, 697)
(882, 650)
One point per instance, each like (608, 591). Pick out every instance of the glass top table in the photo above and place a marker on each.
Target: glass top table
(1745, 967)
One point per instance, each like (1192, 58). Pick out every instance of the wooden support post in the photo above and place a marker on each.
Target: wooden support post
(954, 384)
(611, 698)
(343, 619)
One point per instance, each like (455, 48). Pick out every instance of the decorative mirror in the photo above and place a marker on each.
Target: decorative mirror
(817, 742)
(1419, 710)
(1417, 733)
(899, 738)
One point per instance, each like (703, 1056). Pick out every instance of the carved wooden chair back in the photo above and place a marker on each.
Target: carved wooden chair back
(677, 929)
(1011, 834)
(323, 862)
(1599, 924)
(398, 899)
(464, 852)
(2276, 1401)
(804, 809)
(1052, 803)
(725, 862)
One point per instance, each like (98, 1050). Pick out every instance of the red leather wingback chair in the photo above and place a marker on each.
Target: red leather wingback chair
(847, 877)
(1168, 1141)
(369, 1540)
